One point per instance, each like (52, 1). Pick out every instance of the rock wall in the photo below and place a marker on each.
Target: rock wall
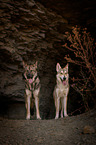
(81, 12)
(29, 32)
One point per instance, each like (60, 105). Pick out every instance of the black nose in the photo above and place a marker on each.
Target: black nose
(29, 76)
(64, 78)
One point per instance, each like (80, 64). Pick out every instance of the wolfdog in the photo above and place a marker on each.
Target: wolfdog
(61, 90)
(32, 88)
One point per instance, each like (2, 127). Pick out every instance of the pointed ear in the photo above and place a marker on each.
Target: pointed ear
(67, 66)
(23, 64)
(58, 67)
(36, 64)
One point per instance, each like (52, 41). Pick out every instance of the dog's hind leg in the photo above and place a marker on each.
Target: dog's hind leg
(65, 106)
(27, 103)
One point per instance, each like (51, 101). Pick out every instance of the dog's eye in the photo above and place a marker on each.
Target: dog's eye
(65, 72)
(61, 73)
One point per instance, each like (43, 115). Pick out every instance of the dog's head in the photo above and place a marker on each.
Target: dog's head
(30, 72)
(62, 74)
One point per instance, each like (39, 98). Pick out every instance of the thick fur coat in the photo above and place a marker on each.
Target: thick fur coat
(61, 90)
(32, 88)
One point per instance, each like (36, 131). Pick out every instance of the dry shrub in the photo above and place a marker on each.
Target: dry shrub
(82, 46)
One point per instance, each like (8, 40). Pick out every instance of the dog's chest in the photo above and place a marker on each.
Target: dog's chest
(62, 90)
(34, 86)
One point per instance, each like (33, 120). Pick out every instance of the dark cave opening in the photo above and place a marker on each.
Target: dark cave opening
(15, 109)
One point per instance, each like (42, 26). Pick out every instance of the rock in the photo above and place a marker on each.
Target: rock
(88, 129)
(72, 11)
(28, 32)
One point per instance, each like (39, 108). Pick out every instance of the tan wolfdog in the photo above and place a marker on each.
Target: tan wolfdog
(32, 88)
(61, 90)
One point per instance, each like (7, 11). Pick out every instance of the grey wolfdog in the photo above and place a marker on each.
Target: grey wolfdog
(61, 90)
(32, 88)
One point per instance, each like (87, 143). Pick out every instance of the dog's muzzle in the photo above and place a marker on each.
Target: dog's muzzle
(63, 80)
(29, 76)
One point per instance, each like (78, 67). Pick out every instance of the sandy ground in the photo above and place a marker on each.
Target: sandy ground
(66, 131)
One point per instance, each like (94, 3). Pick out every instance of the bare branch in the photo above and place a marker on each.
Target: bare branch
(81, 44)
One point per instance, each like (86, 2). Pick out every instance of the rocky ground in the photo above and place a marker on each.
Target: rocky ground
(74, 130)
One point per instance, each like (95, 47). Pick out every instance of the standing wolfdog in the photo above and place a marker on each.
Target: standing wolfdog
(61, 90)
(32, 88)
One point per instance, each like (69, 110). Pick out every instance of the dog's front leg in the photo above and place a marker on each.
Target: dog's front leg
(65, 106)
(37, 107)
(36, 94)
(27, 103)
(57, 107)
(62, 106)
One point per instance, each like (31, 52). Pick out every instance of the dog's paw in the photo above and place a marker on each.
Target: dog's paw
(61, 116)
(28, 117)
(56, 117)
(66, 115)
(39, 118)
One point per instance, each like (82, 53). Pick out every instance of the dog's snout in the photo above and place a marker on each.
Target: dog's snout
(64, 78)
(29, 76)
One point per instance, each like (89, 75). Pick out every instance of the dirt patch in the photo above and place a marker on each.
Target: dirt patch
(67, 131)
